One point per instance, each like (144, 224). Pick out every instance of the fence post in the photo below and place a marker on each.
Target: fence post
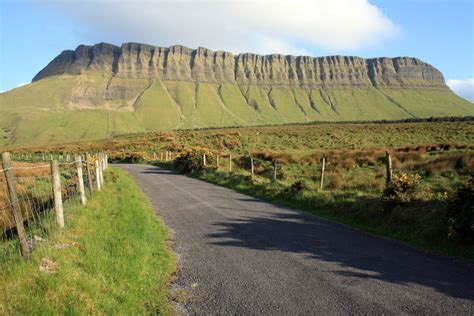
(81, 180)
(104, 163)
(101, 169)
(274, 170)
(89, 175)
(217, 161)
(161, 156)
(97, 175)
(252, 170)
(230, 162)
(321, 180)
(58, 199)
(204, 159)
(17, 215)
(389, 168)
(154, 156)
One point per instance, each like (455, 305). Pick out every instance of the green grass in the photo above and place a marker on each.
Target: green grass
(56, 108)
(421, 224)
(121, 263)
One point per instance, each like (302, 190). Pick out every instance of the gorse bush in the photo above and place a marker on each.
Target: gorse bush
(460, 213)
(190, 162)
(401, 191)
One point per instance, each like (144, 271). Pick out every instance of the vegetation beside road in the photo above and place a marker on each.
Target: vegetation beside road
(111, 258)
(440, 152)
(418, 209)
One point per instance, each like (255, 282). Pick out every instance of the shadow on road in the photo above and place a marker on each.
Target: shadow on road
(357, 254)
(373, 257)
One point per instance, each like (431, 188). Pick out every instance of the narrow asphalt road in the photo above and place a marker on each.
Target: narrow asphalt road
(239, 255)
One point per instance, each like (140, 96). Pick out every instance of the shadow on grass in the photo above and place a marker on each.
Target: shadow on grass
(356, 254)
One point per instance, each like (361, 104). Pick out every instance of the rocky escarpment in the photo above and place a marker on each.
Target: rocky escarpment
(179, 63)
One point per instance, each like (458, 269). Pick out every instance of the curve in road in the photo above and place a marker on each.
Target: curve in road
(240, 255)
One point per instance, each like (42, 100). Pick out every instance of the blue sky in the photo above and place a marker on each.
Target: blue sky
(439, 32)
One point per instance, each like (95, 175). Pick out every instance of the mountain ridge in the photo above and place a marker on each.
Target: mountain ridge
(104, 90)
(135, 60)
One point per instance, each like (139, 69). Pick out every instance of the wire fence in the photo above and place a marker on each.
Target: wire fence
(38, 196)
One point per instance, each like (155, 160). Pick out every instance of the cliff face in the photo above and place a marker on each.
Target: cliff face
(103, 90)
(179, 63)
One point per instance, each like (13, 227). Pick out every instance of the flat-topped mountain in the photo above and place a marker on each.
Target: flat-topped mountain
(103, 90)
(179, 63)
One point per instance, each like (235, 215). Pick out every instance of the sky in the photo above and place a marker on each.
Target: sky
(440, 32)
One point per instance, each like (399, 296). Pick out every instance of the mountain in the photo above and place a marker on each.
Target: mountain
(104, 90)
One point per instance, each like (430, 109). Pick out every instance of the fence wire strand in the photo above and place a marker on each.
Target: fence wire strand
(33, 185)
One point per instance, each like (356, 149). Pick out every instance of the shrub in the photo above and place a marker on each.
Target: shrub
(296, 188)
(400, 192)
(129, 158)
(335, 181)
(190, 162)
(460, 213)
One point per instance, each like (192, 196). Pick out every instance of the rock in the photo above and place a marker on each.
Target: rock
(62, 246)
(141, 61)
(48, 266)
(33, 241)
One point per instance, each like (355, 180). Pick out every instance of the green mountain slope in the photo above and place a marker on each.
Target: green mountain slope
(129, 90)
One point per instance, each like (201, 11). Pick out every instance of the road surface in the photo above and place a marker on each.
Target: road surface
(239, 255)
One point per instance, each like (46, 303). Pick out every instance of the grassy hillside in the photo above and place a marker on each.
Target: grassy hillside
(68, 108)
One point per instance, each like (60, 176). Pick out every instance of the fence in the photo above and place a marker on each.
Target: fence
(35, 192)
(256, 165)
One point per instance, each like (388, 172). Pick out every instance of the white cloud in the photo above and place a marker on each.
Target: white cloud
(261, 26)
(463, 88)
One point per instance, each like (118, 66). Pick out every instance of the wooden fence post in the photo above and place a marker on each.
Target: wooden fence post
(154, 156)
(321, 180)
(58, 199)
(101, 169)
(274, 170)
(230, 162)
(204, 159)
(80, 180)
(389, 168)
(17, 215)
(252, 170)
(89, 175)
(217, 161)
(97, 175)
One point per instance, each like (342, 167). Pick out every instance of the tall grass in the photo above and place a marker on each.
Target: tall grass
(116, 261)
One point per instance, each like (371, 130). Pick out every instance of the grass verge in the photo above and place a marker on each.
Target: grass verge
(421, 225)
(118, 261)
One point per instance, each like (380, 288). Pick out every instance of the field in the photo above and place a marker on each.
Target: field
(117, 261)
(441, 154)
(72, 108)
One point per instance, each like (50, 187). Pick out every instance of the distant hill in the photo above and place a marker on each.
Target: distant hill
(104, 90)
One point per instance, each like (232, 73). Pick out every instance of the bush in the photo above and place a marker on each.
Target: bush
(296, 188)
(133, 158)
(335, 181)
(400, 192)
(190, 162)
(460, 213)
